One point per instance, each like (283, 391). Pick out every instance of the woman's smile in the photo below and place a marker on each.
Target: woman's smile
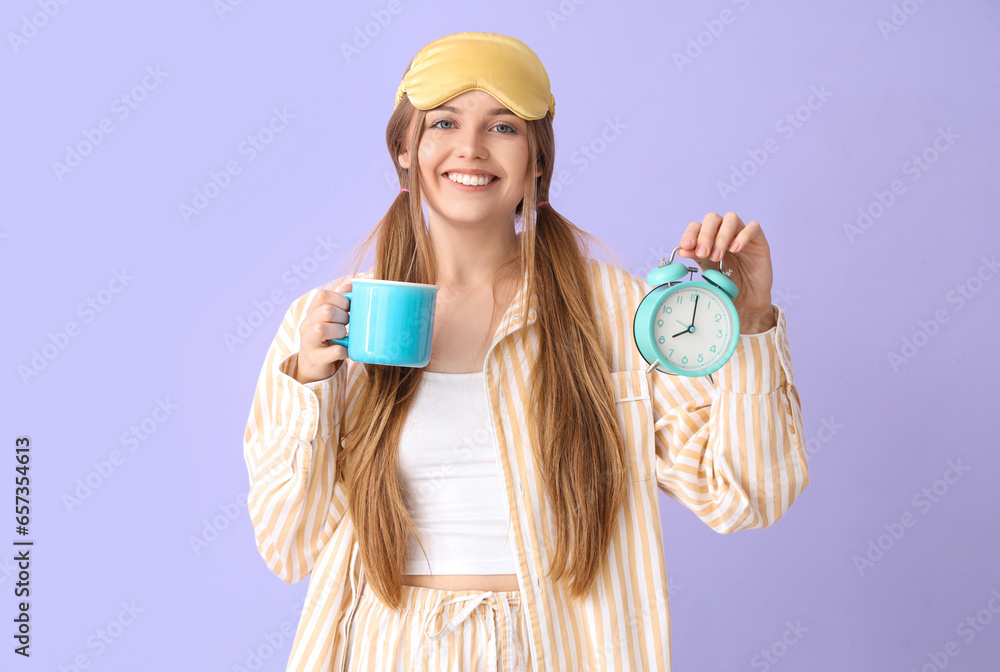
(470, 182)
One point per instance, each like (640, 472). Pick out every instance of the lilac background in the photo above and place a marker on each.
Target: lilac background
(878, 433)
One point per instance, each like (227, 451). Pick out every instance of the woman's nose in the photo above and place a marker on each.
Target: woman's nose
(472, 143)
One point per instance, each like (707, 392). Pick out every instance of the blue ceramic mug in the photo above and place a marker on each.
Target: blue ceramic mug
(390, 322)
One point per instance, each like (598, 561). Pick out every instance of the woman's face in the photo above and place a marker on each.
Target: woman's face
(472, 134)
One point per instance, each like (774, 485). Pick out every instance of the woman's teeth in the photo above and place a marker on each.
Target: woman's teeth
(474, 180)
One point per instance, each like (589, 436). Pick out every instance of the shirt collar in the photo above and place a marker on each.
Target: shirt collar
(511, 320)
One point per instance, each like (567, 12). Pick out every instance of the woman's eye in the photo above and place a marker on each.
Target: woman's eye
(505, 128)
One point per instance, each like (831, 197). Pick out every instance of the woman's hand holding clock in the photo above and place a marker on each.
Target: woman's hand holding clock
(749, 258)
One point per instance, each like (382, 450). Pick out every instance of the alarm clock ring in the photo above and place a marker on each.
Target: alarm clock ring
(687, 328)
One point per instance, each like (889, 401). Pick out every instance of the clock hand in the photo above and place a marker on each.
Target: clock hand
(690, 327)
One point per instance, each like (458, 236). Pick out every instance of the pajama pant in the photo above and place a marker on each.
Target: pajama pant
(439, 631)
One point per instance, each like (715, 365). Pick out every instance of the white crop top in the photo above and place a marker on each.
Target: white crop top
(449, 466)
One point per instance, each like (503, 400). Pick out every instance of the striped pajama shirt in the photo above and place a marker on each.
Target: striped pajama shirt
(732, 452)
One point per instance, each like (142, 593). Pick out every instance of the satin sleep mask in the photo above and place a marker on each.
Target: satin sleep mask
(500, 65)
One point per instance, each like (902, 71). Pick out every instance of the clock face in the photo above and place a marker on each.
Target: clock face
(694, 329)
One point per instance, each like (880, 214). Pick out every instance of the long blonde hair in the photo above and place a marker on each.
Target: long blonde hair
(577, 441)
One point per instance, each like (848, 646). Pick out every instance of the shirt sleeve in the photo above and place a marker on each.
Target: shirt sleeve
(290, 448)
(733, 452)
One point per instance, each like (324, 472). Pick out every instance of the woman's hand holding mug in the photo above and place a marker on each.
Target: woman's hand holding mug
(393, 325)
(326, 318)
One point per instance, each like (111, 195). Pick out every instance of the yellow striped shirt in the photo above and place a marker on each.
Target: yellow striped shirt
(732, 452)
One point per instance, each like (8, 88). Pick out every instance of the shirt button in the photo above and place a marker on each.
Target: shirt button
(520, 487)
(307, 415)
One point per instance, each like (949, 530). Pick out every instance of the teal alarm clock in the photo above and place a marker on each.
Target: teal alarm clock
(687, 328)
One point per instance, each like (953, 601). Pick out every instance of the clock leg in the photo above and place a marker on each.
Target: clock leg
(710, 379)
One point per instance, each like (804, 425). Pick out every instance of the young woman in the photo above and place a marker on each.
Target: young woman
(498, 508)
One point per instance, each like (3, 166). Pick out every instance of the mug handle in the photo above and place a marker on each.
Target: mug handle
(343, 341)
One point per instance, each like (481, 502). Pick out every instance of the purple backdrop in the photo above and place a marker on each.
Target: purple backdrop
(175, 174)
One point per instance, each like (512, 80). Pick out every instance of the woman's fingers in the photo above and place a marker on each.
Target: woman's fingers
(327, 331)
(711, 238)
(689, 239)
(707, 235)
(326, 319)
(728, 230)
(327, 307)
(337, 302)
(749, 234)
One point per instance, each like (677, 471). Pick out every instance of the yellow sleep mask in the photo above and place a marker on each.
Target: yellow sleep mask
(500, 65)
